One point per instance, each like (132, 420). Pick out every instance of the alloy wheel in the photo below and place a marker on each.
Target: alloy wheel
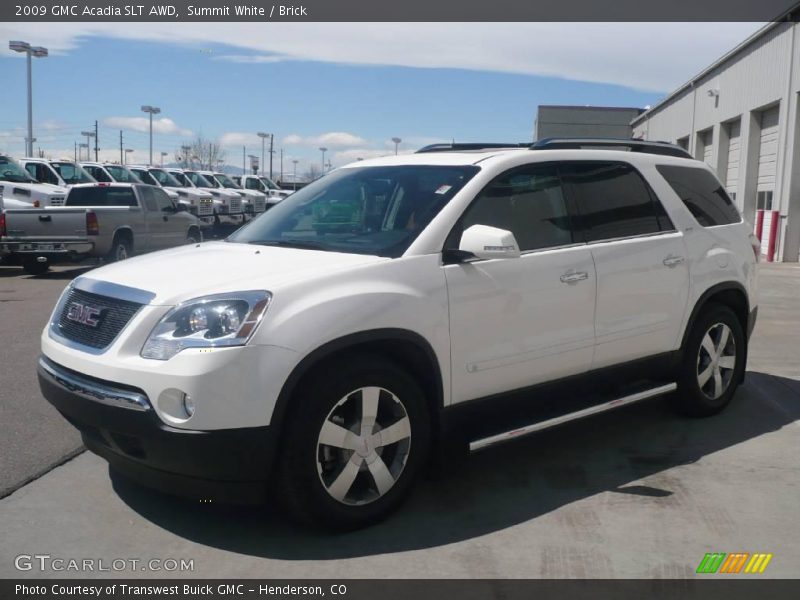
(716, 360)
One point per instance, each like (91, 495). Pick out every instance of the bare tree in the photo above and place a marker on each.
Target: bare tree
(200, 153)
(312, 172)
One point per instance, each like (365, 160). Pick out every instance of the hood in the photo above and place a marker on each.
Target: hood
(250, 194)
(41, 190)
(190, 192)
(217, 267)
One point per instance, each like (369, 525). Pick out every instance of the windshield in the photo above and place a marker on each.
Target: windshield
(72, 173)
(11, 171)
(164, 178)
(199, 180)
(226, 181)
(144, 177)
(182, 179)
(269, 183)
(122, 174)
(367, 210)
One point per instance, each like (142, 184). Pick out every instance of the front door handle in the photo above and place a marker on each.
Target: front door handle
(672, 261)
(573, 276)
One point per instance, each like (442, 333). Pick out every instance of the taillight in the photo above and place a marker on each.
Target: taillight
(2, 224)
(92, 226)
(755, 244)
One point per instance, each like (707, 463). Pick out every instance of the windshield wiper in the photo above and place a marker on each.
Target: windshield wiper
(303, 244)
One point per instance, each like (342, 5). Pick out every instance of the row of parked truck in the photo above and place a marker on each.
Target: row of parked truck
(59, 210)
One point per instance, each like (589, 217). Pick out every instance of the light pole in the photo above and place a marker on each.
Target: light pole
(80, 147)
(163, 154)
(253, 163)
(89, 135)
(127, 152)
(151, 110)
(30, 51)
(323, 150)
(263, 137)
(186, 155)
(294, 176)
(396, 141)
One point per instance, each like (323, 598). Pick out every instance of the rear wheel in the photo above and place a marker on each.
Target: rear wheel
(34, 267)
(120, 249)
(712, 364)
(352, 446)
(194, 237)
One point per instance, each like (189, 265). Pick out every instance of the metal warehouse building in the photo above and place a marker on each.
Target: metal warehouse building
(741, 116)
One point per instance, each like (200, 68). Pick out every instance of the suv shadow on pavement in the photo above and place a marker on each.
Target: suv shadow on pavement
(622, 452)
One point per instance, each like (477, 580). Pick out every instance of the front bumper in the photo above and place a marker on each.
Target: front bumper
(119, 424)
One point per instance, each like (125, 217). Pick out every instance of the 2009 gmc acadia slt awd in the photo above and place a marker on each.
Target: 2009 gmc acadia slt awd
(450, 298)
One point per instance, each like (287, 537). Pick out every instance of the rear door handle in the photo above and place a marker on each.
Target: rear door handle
(672, 261)
(573, 276)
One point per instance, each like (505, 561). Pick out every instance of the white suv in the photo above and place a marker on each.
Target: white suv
(400, 306)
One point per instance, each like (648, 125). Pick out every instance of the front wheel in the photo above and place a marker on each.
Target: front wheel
(712, 364)
(356, 437)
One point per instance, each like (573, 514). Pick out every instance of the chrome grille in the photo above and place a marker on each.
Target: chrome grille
(205, 206)
(57, 201)
(114, 315)
(261, 204)
(235, 205)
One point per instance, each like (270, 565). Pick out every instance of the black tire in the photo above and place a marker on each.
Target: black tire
(194, 236)
(121, 248)
(34, 267)
(693, 397)
(304, 463)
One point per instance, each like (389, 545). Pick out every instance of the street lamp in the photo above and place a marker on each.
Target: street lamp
(186, 149)
(127, 151)
(30, 51)
(151, 110)
(323, 150)
(89, 135)
(163, 154)
(396, 141)
(294, 176)
(263, 137)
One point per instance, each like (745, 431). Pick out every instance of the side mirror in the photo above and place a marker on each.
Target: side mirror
(180, 207)
(484, 242)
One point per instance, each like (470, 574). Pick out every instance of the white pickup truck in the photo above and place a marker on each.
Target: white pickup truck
(262, 183)
(63, 173)
(228, 208)
(198, 202)
(17, 184)
(109, 221)
(255, 202)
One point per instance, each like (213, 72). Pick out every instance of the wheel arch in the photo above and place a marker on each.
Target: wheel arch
(731, 294)
(403, 346)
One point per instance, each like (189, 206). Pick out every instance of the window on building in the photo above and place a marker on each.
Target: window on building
(702, 194)
(764, 200)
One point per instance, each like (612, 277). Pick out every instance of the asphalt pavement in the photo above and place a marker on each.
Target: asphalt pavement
(638, 492)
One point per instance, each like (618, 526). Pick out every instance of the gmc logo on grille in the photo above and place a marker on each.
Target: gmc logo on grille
(85, 314)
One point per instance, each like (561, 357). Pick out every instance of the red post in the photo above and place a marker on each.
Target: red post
(773, 235)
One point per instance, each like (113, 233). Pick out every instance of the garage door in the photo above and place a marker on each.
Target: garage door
(734, 151)
(767, 169)
(706, 141)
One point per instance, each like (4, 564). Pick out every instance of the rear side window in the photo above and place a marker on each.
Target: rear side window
(614, 201)
(101, 196)
(97, 173)
(702, 194)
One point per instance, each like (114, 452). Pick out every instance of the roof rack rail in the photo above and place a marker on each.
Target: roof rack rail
(461, 146)
(646, 146)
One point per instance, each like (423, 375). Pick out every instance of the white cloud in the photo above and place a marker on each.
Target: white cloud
(163, 126)
(332, 139)
(645, 56)
(237, 138)
(343, 157)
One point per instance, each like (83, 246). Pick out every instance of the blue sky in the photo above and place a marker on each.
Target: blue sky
(350, 87)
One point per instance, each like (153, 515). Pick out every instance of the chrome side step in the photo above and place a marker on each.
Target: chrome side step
(587, 412)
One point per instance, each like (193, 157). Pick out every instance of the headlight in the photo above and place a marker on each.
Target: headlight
(210, 321)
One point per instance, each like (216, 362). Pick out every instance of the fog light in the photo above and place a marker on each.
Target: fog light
(188, 405)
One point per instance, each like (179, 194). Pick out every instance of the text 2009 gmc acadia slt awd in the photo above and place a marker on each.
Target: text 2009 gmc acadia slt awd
(473, 293)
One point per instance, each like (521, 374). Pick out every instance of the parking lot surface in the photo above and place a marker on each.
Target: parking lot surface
(634, 493)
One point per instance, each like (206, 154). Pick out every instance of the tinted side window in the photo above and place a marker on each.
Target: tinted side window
(100, 196)
(702, 194)
(529, 202)
(613, 201)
